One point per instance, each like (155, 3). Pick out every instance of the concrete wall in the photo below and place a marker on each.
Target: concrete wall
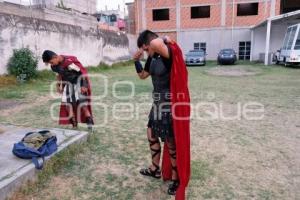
(132, 39)
(90, 46)
(216, 39)
(82, 6)
(53, 14)
(277, 35)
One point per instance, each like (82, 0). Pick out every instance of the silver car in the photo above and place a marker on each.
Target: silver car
(195, 57)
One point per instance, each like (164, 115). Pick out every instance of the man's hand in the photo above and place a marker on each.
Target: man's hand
(84, 90)
(137, 56)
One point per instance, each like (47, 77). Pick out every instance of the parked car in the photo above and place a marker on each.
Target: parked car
(227, 56)
(195, 57)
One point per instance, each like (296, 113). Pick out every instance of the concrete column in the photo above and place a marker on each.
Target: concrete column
(223, 22)
(178, 20)
(137, 13)
(144, 22)
(223, 13)
(252, 45)
(232, 22)
(267, 49)
(273, 8)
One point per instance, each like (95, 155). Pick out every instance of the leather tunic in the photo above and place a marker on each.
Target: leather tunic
(160, 117)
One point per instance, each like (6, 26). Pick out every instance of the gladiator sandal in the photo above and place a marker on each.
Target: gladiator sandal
(90, 123)
(148, 171)
(173, 187)
(73, 121)
(175, 183)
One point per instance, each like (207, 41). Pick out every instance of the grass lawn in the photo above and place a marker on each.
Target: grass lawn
(231, 159)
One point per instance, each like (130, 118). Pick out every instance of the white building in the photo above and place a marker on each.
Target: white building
(267, 37)
(82, 6)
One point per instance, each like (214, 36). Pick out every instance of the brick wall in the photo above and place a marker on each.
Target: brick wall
(159, 25)
(160, 3)
(215, 19)
(263, 13)
(137, 15)
(277, 7)
(130, 21)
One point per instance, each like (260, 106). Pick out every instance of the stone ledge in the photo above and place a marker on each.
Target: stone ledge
(15, 172)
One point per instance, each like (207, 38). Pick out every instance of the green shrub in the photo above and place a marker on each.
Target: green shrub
(23, 64)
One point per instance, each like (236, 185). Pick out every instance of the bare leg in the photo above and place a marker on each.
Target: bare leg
(73, 120)
(86, 111)
(154, 169)
(87, 114)
(172, 151)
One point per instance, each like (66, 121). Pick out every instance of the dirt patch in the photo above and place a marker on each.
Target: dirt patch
(233, 71)
(7, 80)
(7, 104)
(59, 187)
(11, 107)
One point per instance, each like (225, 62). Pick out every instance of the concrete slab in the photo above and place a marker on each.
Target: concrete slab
(14, 172)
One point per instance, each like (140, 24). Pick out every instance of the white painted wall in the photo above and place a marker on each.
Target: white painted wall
(216, 39)
(53, 14)
(276, 38)
(88, 49)
(90, 46)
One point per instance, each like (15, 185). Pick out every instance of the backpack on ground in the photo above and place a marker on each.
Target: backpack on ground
(36, 145)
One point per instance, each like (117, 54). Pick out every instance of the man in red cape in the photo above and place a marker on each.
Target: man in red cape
(181, 122)
(169, 118)
(74, 85)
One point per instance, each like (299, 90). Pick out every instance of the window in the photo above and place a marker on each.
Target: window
(200, 45)
(286, 38)
(291, 38)
(200, 12)
(113, 18)
(297, 44)
(289, 6)
(160, 14)
(246, 9)
(196, 46)
(244, 50)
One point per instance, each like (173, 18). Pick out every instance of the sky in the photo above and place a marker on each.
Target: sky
(112, 4)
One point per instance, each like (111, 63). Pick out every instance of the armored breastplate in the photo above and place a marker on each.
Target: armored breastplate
(67, 74)
(160, 79)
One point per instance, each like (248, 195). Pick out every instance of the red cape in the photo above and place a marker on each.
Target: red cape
(63, 114)
(181, 123)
